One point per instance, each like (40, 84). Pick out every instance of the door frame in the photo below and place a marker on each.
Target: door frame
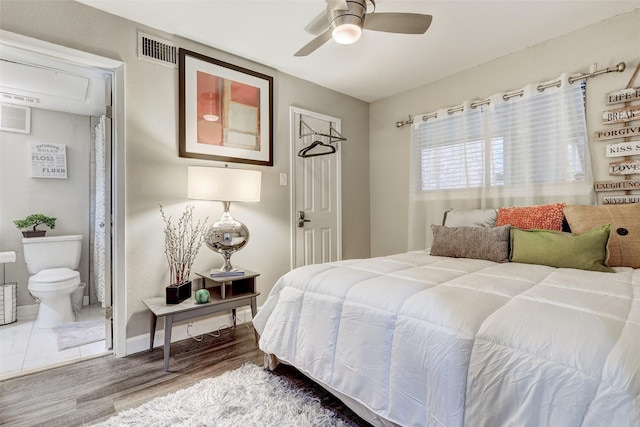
(115, 69)
(292, 179)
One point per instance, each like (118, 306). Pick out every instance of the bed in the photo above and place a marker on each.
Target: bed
(417, 339)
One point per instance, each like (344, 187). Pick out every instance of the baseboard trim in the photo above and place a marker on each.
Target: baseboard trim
(28, 310)
(179, 332)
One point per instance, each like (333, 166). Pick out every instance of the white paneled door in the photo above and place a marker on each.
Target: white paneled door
(316, 196)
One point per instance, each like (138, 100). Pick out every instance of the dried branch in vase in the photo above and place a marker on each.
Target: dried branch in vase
(181, 244)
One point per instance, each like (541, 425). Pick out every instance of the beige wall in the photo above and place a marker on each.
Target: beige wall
(154, 172)
(605, 43)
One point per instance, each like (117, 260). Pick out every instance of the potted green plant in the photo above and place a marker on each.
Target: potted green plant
(182, 241)
(33, 221)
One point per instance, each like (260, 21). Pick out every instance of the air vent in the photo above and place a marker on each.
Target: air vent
(15, 118)
(10, 97)
(157, 50)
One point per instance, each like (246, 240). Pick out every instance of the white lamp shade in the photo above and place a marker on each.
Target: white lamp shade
(223, 184)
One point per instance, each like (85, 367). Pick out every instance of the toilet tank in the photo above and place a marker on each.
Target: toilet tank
(52, 252)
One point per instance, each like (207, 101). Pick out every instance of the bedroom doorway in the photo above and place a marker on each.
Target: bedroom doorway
(316, 199)
(90, 103)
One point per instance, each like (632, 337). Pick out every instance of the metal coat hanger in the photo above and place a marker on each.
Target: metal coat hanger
(317, 143)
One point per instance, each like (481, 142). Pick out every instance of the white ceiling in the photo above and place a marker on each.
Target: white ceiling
(463, 34)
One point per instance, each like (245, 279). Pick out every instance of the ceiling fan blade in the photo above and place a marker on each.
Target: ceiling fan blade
(314, 44)
(318, 24)
(402, 23)
(321, 22)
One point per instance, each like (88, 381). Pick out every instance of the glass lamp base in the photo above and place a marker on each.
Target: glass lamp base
(226, 236)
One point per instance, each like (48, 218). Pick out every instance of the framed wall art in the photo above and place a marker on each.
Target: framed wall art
(226, 111)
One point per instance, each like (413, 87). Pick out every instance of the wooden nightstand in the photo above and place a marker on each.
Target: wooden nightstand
(227, 293)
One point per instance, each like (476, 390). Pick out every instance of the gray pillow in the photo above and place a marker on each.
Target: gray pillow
(489, 243)
(470, 217)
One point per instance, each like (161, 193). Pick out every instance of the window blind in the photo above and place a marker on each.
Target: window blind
(540, 140)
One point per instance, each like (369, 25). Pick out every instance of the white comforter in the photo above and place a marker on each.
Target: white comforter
(435, 341)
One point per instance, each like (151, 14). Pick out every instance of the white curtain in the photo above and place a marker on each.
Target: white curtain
(524, 150)
(99, 240)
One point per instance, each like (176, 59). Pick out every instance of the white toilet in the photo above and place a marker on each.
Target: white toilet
(53, 262)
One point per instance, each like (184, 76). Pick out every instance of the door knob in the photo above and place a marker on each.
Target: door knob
(301, 219)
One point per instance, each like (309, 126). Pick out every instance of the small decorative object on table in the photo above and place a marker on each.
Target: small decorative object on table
(181, 245)
(33, 221)
(202, 296)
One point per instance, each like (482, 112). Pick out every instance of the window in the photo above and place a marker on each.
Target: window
(538, 140)
(526, 150)
(462, 165)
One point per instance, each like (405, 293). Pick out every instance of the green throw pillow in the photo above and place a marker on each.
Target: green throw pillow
(585, 251)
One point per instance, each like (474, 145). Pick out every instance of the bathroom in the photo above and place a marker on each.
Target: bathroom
(58, 108)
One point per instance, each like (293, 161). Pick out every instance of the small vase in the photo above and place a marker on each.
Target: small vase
(175, 294)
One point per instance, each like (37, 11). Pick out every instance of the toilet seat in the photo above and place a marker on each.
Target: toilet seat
(54, 278)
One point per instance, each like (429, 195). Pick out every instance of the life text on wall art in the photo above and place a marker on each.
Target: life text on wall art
(623, 95)
(48, 160)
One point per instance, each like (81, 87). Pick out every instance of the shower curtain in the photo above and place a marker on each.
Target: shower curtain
(99, 240)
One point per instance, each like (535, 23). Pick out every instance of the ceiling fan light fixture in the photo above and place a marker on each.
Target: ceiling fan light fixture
(346, 33)
(348, 18)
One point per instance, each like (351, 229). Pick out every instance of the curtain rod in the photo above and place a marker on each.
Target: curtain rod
(618, 68)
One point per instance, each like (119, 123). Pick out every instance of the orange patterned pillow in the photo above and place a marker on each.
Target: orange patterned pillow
(544, 217)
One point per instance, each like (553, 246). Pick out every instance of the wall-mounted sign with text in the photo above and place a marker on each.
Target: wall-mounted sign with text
(627, 167)
(622, 149)
(48, 160)
(617, 185)
(620, 200)
(621, 115)
(623, 95)
(606, 134)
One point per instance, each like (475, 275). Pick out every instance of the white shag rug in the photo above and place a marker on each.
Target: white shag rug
(247, 396)
(79, 333)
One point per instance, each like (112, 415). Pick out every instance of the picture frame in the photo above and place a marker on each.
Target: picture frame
(226, 111)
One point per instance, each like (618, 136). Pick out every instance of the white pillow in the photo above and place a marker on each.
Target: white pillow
(470, 217)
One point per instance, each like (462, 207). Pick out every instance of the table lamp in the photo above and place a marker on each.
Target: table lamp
(227, 235)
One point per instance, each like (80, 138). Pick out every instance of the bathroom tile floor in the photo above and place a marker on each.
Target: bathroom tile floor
(26, 348)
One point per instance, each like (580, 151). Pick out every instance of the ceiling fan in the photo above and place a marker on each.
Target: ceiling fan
(344, 21)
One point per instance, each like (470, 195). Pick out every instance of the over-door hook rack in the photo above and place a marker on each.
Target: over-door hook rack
(333, 134)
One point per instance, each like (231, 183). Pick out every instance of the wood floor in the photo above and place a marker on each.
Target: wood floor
(93, 390)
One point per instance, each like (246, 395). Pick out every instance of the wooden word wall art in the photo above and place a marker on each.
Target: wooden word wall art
(623, 95)
(624, 168)
(621, 115)
(605, 134)
(617, 185)
(618, 200)
(630, 148)
(627, 167)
